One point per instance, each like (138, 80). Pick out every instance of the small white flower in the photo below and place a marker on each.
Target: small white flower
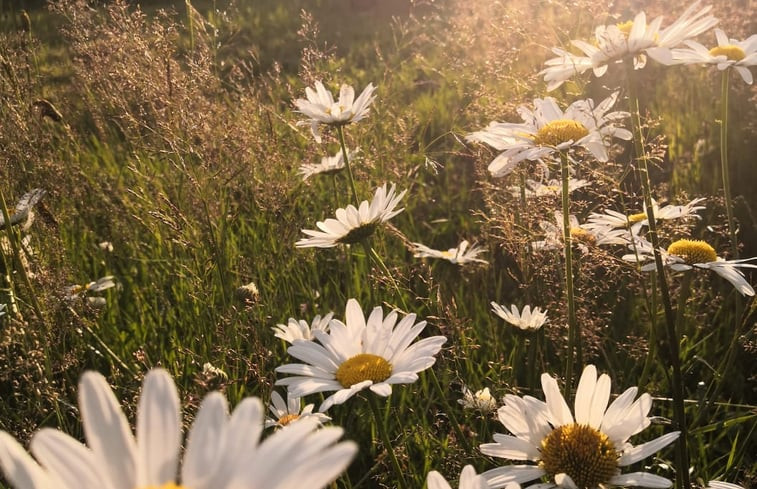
(361, 353)
(468, 480)
(300, 329)
(548, 130)
(729, 53)
(633, 39)
(480, 400)
(459, 255)
(635, 222)
(73, 292)
(222, 451)
(328, 165)
(527, 319)
(354, 224)
(287, 413)
(584, 236)
(321, 108)
(209, 370)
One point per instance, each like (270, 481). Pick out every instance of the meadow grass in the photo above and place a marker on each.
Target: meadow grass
(172, 136)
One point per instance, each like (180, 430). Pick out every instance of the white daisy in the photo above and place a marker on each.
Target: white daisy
(291, 411)
(300, 330)
(632, 39)
(459, 255)
(615, 219)
(321, 108)
(550, 188)
(360, 354)
(74, 292)
(468, 480)
(686, 254)
(548, 130)
(525, 320)
(328, 165)
(354, 224)
(729, 53)
(222, 451)
(480, 400)
(583, 236)
(584, 452)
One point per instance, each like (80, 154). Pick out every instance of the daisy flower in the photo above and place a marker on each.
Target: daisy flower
(371, 353)
(480, 400)
(615, 219)
(76, 292)
(320, 107)
(300, 329)
(459, 255)
(525, 320)
(468, 480)
(328, 165)
(291, 411)
(584, 236)
(584, 452)
(222, 451)
(354, 224)
(632, 39)
(550, 188)
(23, 212)
(729, 53)
(686, 254)
(547, 130)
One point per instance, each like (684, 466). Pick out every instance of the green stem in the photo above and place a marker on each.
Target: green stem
(724, 163)
(574, 333)
(384, 434)
(671, 337)
(450, 411)
(340, 131)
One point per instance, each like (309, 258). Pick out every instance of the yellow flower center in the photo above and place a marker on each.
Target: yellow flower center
(582, 235)
(552, 188)
(633, 218)
(286, 419)
(358, 234)
(585, 454)
(361, 367)
(625, 27)
(560, 131)
(730, 51)
(693, 251)
(167, 485)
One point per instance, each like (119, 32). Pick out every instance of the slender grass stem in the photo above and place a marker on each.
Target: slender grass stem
(377, 259)
(724, 170)
(671, 336)
(384, 434)
(340, 131)
(574, 333)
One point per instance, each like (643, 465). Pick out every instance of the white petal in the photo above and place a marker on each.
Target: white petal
(72, 462)
(204, 442)
(641, 479)
(19, 468)
(644, 450)
(559, 412)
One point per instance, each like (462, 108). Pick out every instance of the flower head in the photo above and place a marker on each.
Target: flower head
(459, 255)
(617, 220)
(633, 39)
(328, 165)
(547, 130)
(361, 353)
(291, 411)
(300, 330)
(729, 53)
(525, 320)
(222, 451)
(354, 224)
(686, 254)
(585, 451)
(480, 400)
(468, 480)
(320, 107)
(583, 236)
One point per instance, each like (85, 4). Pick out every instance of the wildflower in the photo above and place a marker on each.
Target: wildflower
(74, 292)
(633, 39)
(22, 213)
(584, 452)
(105, 246)
(328, 165)
(221, 452)
(208, 370)
(550, 188)
(615, 219)
(525, 320)
(686, 254)
(301, 330)
(480, 400)
(729, 53)
(352, 224)
(547, 130)
(362, 353)
(248, 292)
(286, 413)
(584, 236)
(321, 108)
(468, 480)
(460, 255)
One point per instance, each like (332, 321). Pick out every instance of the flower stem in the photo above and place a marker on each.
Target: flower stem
(671, 336)
(574, 333)
(383, 433)
(340, 131)
(724, 162)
